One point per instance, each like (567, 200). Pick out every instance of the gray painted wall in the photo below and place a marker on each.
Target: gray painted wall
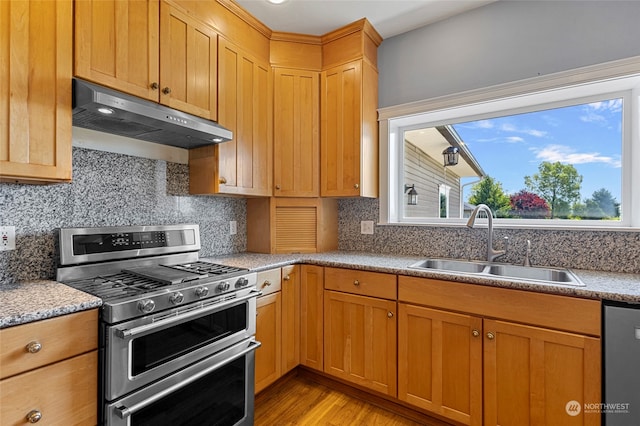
(505, 41)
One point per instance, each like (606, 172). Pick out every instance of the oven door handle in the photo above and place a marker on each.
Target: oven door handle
(124, 412)
(125, 333)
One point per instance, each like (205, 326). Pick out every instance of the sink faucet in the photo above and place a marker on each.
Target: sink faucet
(491, 253)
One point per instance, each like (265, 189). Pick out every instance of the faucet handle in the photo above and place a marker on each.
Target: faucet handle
(527, 261)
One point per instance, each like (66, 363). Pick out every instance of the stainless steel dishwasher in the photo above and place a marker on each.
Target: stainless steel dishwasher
(621, 405)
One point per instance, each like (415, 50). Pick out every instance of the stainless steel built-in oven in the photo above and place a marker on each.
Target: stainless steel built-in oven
(215, 391)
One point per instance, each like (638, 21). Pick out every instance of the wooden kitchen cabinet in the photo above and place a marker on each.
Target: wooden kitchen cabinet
(296, 118)
(349, 119)
(151, 49)
(49, 368)
(440, 362)
(290, 317)
(244, 165)
(531, 374)
(35, 91)
(268, 359)
(311, 316)
(360, 328)
(538, 353)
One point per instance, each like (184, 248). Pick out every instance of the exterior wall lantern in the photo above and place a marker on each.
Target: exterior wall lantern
(450, 156)
(412, 194)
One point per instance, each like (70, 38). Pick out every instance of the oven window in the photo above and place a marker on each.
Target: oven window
(162, 346)
(217, 399)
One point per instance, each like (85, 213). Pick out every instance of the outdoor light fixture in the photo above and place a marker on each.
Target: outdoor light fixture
(450, 156)
(412, 194)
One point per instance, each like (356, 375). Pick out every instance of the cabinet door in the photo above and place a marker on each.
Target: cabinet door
(188, 63)
(290, 317)
(537, 376)
(341, 109)
(35, 90)
(440, 362)
(296, 142)
(268, 329)
(311, 326)
(360, 340)
(243, 165)
(117, 45)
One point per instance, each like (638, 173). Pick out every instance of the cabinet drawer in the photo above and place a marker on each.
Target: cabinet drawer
(269, 281)
(64, 393)
(361, 282)
(59, 338)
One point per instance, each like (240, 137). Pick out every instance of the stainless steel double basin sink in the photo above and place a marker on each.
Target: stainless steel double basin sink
(499, 270)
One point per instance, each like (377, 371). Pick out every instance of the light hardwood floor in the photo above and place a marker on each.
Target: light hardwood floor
(298, 400)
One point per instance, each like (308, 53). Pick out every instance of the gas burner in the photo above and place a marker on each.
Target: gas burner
(201, 267)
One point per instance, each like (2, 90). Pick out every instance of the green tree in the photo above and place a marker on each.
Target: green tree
(559, 184)
(605, 201)
(489, 191)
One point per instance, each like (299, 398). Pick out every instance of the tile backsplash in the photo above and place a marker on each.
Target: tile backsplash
(613, 251)
(110, 190)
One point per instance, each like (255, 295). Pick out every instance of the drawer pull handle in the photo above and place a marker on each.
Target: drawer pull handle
(389, 314)
(356, 186)
(475, 333)
(286, 278)
(154, 86)
(356, 283)
(34, 347)
(166, 90)
(34, 416)
(222, 180)
(491, 336)
(266, 283)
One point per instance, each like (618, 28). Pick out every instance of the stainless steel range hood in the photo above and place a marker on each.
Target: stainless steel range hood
(106, 110)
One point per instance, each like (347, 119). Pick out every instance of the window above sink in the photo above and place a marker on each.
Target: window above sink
(515, 142)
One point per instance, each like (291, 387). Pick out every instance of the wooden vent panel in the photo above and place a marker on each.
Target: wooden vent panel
(296, 229)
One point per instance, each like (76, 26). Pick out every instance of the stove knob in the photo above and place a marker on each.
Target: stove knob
(223, 286)
(242, 282)
(146, 305)
(176, 298)
(202, 291)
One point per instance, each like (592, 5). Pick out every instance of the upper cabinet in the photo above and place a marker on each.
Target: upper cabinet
(244, 165)
(149, 49)
(35, 91)
(349, 120)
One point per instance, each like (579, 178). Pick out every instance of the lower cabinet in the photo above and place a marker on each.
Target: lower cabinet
(311, 314)
(290, 318)
(360, 340)
(268, 329)
(440, 362)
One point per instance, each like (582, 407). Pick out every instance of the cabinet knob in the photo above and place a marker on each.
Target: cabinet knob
(34, 347)
(266, 283)
(222, 180)
(286, 278)
(34, 416)
(475, 333)
(490, 336)
(166, 90)
(389, 314)
(154, 86)
(277, 186)
(356, 283)
(356, 186)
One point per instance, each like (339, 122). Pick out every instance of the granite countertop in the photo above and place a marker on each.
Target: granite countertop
(36, 300)
(26, 302)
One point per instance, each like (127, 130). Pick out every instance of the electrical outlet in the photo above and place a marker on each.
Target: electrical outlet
(366, 227)
(233, 227)
(7, 238)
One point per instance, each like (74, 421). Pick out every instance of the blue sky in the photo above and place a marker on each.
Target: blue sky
(588, 136)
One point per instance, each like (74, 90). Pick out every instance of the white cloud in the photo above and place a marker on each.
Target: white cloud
(568, 155)
(595, 111)
(515, 139)
(508, 127)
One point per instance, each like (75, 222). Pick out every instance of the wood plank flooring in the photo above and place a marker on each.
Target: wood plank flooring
(298, 400)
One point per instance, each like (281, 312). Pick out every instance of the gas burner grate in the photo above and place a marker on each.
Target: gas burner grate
(210, 269)
(113, 287)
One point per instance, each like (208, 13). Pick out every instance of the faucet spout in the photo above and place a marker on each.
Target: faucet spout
(491, 253)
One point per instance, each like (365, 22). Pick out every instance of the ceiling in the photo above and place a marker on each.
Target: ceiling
(389, 17)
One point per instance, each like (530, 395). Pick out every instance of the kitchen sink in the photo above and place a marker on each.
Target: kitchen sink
(526, 273)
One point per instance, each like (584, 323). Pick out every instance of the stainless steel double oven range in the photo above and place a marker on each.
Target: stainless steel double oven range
(176, 333)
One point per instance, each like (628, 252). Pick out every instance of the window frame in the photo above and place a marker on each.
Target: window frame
(611, 80)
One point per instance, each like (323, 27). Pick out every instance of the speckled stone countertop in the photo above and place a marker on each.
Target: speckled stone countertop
(25, 302)
(598, 285)
(31, 301)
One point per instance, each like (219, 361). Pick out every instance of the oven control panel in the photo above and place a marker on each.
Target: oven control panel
(122, 241)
